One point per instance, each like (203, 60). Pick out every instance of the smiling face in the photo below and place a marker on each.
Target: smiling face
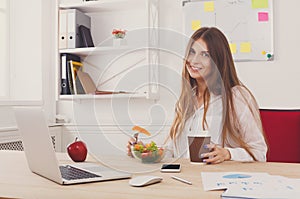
(199, 66)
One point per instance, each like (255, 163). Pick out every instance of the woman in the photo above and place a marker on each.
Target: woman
(213, 98)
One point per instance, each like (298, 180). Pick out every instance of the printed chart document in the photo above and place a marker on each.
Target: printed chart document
(251, 185)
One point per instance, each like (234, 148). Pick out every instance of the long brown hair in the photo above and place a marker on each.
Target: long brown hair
(221, 82)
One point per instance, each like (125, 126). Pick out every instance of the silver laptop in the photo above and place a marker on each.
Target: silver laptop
(41, 156)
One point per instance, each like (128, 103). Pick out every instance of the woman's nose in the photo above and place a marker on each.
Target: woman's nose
(196, 60)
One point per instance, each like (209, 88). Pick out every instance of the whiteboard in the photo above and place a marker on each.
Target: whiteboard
(247, 24)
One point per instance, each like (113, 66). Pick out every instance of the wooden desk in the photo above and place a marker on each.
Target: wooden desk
(17, 181)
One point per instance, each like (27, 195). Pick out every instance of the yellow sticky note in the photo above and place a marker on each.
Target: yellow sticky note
(196, 24)
(232, 47)
(209, 6)
(260, 4)
(245, 47)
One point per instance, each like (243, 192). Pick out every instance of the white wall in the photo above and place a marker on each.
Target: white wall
(25, 50)
(275, 84)
(3, 49)
(30, 72)
(24, 56)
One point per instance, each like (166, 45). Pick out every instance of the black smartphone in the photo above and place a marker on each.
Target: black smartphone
(170, 168)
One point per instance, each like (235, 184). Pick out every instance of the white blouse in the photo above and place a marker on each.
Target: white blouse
(250, 132)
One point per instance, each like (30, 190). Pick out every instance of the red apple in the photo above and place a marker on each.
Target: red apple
(77, 151)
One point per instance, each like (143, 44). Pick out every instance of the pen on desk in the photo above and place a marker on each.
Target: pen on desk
(181, 180)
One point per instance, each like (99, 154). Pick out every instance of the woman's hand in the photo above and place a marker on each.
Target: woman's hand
(217, 154)
(131, 142)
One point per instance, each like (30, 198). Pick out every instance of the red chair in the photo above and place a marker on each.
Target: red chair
(282, 129)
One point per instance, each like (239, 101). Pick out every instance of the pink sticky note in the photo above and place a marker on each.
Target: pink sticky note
(263, 16)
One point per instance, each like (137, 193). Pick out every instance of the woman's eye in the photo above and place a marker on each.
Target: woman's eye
(204, 54)
(191, 52)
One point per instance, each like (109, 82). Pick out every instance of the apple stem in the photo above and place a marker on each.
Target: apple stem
(76, 139)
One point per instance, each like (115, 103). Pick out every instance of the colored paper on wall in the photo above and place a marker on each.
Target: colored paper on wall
(245, 47)
(209, 6)
(260, 4)
(263, 16)
(232, 47)
(196, 24)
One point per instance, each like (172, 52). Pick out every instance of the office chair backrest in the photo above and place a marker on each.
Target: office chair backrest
(282, 128)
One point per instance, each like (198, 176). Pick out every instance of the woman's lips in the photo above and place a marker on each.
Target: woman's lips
(196, 68)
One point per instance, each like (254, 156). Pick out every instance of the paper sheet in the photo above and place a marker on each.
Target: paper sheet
(251, 185)
(224, 180)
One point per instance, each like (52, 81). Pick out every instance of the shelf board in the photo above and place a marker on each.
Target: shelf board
(105, 5)
(95, 50)
(108, 96)
(21, 102)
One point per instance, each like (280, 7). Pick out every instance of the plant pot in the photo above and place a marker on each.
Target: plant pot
(119, 42)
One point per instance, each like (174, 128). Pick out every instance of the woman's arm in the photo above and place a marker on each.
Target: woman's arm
(250, 132)
(250, 124)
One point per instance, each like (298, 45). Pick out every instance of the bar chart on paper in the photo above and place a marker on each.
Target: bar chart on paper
(247, 24)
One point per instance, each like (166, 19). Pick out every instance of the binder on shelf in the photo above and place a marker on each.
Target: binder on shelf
(74, 66)
(86, 36)
(63, 29)
(85, 81)
(64, 79)
(75, 18)
(69, 78)
(79, 87)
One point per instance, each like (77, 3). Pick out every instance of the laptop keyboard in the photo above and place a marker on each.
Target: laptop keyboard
(71, 173)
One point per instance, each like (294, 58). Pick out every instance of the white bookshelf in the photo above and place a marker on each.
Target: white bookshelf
(104, 96)
(96, 50)
(100, 59)
(105, 5)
